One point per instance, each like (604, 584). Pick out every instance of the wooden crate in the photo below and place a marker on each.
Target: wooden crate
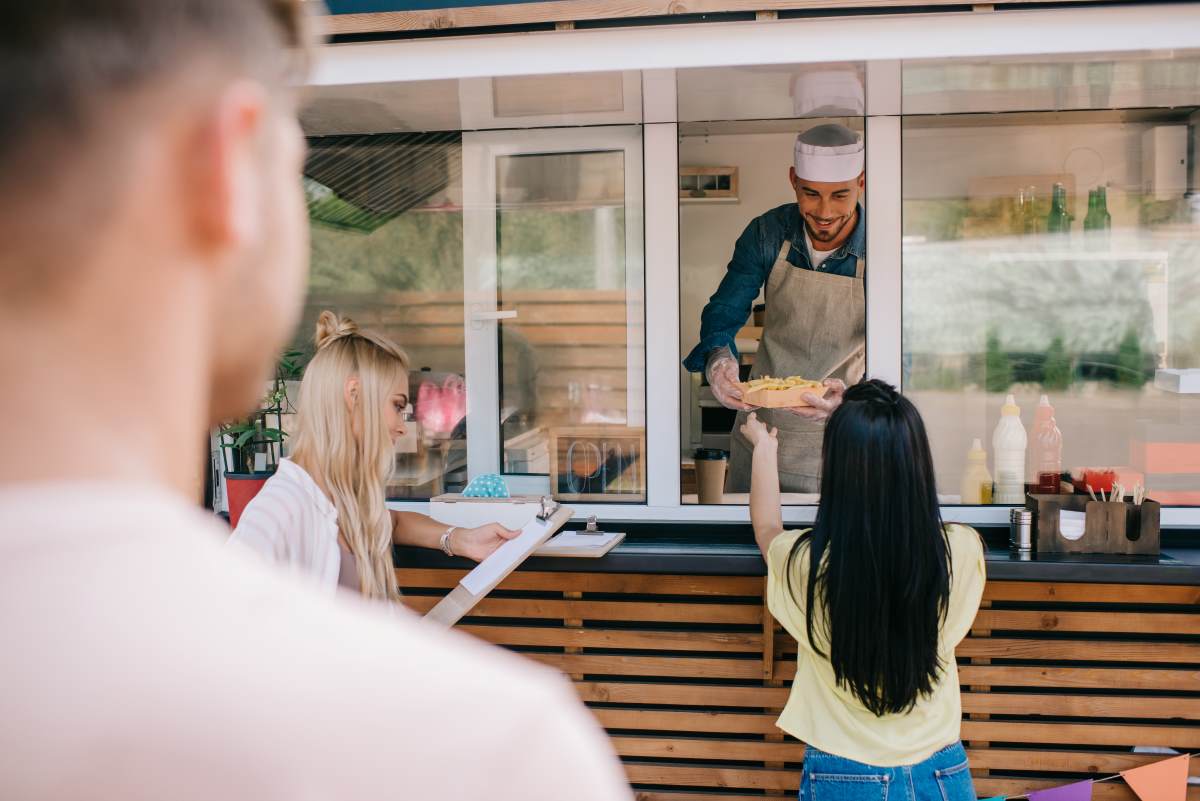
(1114, 527)
(689, 672)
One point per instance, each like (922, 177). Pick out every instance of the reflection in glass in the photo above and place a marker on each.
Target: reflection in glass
(386, 249)
(1052, 83)
(1058, 256)
(771, 92)
(561, 266)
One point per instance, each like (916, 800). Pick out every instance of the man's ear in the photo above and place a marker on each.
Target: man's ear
(862, 180)
(350, 393)
(792, 179)
(226, 171)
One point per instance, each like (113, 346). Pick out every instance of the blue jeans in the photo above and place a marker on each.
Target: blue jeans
(945, 776)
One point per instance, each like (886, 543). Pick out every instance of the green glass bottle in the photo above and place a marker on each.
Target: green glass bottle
(1102, 205)
(1059, 221)
(1093, 221)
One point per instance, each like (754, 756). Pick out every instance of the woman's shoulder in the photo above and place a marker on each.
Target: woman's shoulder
(967, 552)
(779, 552)
(286, 501)
(964, 540)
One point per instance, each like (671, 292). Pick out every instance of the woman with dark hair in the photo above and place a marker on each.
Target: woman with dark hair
(876, 694)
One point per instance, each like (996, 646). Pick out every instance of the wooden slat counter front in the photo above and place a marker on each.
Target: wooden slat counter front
(1070, 665)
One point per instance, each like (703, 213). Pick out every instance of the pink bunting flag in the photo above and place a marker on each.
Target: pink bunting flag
(1165, 780)
(1080, 791)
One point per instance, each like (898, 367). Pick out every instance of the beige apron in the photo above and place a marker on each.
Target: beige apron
(815, 327)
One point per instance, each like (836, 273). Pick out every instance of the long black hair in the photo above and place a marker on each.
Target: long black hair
(879, 564)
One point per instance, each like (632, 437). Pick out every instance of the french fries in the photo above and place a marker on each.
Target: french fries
(775, 393)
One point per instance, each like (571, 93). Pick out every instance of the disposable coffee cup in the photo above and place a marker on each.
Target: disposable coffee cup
(710, 474)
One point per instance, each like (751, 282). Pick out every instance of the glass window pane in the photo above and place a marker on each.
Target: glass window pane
(755, 221)
(1055, 255)
(387, 250)
(1058, 83)
(565, 358)
(771, 92)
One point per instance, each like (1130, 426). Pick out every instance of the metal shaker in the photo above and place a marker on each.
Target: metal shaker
(1020, 531)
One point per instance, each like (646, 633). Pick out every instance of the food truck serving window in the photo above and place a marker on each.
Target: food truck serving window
(594, 272)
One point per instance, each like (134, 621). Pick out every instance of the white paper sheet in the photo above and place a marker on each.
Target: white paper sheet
(491, 570)
(574, 539)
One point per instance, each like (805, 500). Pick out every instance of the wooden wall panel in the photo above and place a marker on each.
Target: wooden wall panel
(1060, 681)
(566, 12)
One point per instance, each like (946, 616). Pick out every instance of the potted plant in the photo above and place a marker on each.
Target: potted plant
(252, 446)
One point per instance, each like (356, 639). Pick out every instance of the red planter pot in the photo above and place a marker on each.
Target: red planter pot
(241, 489)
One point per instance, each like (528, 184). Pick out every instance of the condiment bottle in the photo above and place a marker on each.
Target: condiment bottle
(1059, 219)
(977, 481)
(1047, 449)
(1008, 445)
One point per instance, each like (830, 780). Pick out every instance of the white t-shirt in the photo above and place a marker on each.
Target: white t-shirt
(817, 257)
(292, 522)
(144, 660)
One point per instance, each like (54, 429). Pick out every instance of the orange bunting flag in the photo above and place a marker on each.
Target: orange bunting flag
(1165, 780)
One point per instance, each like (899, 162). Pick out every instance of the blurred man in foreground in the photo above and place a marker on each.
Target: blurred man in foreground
(152, 262)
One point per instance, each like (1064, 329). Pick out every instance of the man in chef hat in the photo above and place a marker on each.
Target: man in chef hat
(810, 257)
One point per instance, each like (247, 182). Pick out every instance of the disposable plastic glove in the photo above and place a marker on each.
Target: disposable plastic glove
(722, 373)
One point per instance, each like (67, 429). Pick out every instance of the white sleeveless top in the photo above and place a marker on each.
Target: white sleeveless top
(291, 522)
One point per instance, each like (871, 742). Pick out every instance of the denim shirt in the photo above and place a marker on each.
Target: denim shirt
(753, 257)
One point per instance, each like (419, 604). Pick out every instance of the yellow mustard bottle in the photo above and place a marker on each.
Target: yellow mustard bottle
(977, 481)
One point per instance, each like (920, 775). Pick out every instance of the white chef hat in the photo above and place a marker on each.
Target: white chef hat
(829, 153)
(828, 93)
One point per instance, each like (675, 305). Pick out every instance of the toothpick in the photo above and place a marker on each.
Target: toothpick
(1090, 492)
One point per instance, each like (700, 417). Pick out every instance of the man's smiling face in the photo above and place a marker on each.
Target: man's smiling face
(827, 208)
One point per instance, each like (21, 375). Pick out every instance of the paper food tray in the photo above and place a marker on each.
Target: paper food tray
(777, 398)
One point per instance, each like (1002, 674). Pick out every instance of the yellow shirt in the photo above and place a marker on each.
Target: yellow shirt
(828, 716)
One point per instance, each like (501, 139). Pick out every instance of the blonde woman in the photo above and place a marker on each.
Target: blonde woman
(324, 511)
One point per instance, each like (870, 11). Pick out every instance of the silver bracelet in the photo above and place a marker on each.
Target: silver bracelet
(445, 541)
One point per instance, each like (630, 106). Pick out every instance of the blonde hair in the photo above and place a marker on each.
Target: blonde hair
(353, 470)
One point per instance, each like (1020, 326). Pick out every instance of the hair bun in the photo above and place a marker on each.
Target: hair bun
(330, 327)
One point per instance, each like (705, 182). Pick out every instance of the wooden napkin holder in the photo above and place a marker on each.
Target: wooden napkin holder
(1110, 527)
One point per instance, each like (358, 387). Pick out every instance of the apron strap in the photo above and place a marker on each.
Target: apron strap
(785, 250)
(858, 268)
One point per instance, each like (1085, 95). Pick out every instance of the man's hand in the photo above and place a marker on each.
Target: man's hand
(479, 543)
(726, 383)
(820, 407)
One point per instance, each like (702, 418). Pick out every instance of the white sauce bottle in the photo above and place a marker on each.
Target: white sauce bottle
(1008, 446)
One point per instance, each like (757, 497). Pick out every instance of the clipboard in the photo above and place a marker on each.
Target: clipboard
(474, 586)
(581, 545)
(591, 543)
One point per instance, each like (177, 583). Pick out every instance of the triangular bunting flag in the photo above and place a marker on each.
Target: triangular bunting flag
(996, 798)
(1079, 791)
(1165, 780)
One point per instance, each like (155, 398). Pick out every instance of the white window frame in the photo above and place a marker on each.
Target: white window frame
(480, 152)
